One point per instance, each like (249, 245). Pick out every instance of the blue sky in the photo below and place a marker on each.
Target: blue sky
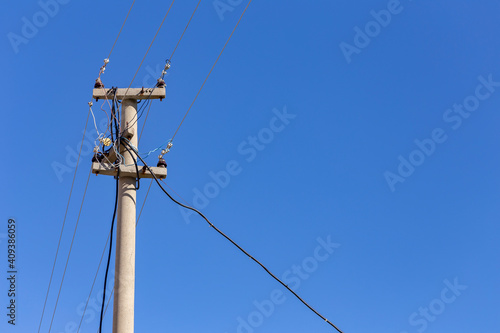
(371, 126)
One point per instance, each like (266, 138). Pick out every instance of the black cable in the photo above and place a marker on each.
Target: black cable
(141, 109)
(111, 123)
(229, 239)
(109, 253)
(136, 168)
(115, 116)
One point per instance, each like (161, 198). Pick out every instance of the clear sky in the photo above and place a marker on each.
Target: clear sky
(351, 146)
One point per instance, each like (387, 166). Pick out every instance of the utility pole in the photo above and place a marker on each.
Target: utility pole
(123, 306)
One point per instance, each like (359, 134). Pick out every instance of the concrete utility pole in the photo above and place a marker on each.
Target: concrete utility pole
(123, 307)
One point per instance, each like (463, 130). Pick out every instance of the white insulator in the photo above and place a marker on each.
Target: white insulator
(169, 145)
(90, 104)
(106, 60)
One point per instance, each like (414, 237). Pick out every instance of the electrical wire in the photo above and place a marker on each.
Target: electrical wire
(159, 28)
(115, 117)
(140, 112)
(228, 238)
(170, 59)
(171, 189)
(171, 56)
(109, 253)
(126, 17)
(210, 72)
(106, 61)
(112, 120)
(106, 100)
(64, 223)
(93, 117)
(70, 248)
(182, 35)
(144, 123)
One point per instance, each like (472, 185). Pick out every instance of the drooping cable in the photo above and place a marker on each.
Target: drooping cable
(126, 143)
(109, 253)
(64, 223)
(211, 69)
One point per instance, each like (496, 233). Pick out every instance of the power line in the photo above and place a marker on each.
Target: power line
(106, 61)
(147, 51)
(228, 238)
(126, 17)
(64, 222)
(170, 59)
(182, 35)
(70, 248)
(145, 55)
(140, 112)
(211, 70)
(144, 123)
